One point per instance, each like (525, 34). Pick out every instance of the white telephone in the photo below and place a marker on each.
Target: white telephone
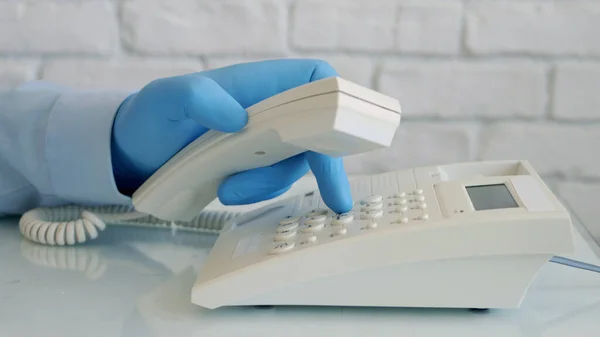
(464, 235)
(470, 235)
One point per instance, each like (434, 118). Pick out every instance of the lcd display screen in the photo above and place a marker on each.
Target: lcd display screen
(495, 196)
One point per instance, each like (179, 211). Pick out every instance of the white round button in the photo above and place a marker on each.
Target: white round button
(422, 205)
(289, 220)
(425, 216)
(418, 191)
(342, 219)
(372, 206)
(372, 214)
(315, 219)
(371, 225)
(419, 198)
(313, 227)
(316, 212)
(401, 209)
(309, 240)
(285, 235)
(371, 199)
(287, 227)
(400, 195)
(400, 202)
(403, 220)
(282, 247)
(340, 232)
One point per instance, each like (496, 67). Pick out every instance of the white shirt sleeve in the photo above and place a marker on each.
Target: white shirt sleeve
(55, 147)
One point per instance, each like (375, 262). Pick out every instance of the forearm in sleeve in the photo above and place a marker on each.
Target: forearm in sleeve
(55, 147)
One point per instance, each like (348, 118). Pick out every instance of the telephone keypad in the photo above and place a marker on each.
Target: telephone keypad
(321, 224)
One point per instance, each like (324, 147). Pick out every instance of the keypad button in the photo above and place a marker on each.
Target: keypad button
(285, 235)
(282, 247)
(418, 191)
(371, 199)
(372, 214)
(316, 212)
(371, 225)
(400, 209)
(316, 219)
(340, 232)
(342, 219)
(315, 227)
(419, 198)
(400, 202)
(287, 227)
(372, 206)
(422, 205)
(311, 239)
(403, 220)
(289, 220)
(424, 216)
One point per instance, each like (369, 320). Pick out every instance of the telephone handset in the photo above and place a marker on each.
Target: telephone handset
(332, 116)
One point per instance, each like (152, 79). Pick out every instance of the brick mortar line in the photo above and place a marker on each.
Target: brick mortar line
(552, 60)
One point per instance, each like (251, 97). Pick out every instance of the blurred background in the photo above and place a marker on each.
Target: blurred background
(477, 79)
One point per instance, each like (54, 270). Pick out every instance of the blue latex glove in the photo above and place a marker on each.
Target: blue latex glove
(167, 114)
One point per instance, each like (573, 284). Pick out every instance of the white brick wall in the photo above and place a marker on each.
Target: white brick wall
(533, 26)
(576, 92)
(58, 27)
(553, 148)
(466, 89)
(478, 79)
(120, 74)
(204, 27)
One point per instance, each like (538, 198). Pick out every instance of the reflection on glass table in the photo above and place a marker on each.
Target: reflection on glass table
(136, 282)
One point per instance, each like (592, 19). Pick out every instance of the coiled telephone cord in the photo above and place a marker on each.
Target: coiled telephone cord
(71, 225)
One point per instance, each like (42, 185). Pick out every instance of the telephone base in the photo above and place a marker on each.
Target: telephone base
(467, 235)
(498, 282)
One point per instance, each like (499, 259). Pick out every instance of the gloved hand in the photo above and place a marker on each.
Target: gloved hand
(166, 115)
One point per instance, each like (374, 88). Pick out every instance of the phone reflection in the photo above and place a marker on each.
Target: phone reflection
(167, 312)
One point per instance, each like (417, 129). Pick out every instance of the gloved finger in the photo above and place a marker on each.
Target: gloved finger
(262, 197)
(332, 181)
(202, 100)
(252, 82)
(263, 182)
